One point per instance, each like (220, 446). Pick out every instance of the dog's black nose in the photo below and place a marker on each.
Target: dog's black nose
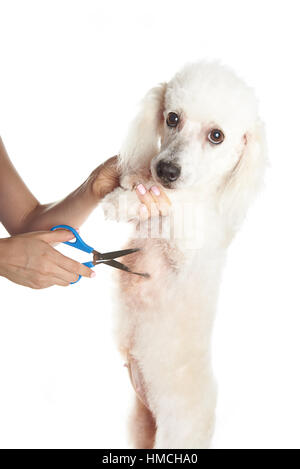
(167, 171)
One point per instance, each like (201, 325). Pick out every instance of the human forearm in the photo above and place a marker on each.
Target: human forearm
(21, 212)
(16, 200)
(72, 210)
(75, 208)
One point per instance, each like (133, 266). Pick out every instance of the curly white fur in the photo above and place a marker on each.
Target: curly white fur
(165, 322)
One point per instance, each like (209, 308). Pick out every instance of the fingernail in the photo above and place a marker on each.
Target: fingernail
(141, 189)
(93, 274)
(144, 208)
(155, 190)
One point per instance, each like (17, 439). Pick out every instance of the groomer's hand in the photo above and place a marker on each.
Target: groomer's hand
(154, 202)
(105, 178)
(30, 260)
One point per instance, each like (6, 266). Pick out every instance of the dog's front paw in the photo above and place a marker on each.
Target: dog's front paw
(131, 180)
(121, 205)
(136, 205)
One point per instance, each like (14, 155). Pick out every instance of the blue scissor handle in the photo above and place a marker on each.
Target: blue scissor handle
(88, 264)
(78, 244)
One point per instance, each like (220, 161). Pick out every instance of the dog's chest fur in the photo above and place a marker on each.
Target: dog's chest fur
(181, 281)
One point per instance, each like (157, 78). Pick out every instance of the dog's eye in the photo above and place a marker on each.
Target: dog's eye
(172, 119)
(216, 136)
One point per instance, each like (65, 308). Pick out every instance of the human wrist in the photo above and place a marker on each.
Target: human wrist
(91, 187)
(105, 178)
(86, 194)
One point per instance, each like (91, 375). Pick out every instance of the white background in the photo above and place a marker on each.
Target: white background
(71, 74)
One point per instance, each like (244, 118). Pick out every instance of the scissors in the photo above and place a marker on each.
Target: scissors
(107, 258)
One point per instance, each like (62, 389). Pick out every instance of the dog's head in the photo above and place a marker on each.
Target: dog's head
(200, 131)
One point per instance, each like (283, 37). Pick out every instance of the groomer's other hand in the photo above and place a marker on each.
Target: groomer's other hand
(154, 202)
(30, 260)
(105, 178)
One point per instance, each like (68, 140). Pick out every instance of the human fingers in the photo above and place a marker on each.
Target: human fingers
(161, 199)
(154, 196)
(64, 275)
(46, 281)
(147, 201)
(52, 237)
(72, 266)
(58, 281)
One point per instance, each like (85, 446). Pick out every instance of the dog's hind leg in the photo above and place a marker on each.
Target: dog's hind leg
(142, 423)
(142, 426)
(185, 414)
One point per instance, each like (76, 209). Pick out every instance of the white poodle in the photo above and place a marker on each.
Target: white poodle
(198, 136)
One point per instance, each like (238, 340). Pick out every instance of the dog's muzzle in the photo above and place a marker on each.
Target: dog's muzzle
(167, 171)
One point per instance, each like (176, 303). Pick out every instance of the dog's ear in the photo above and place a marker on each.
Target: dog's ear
(245, 179)
(143, 140)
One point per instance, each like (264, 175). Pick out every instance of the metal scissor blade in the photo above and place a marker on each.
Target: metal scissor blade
(98, 256)
(119, 265)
